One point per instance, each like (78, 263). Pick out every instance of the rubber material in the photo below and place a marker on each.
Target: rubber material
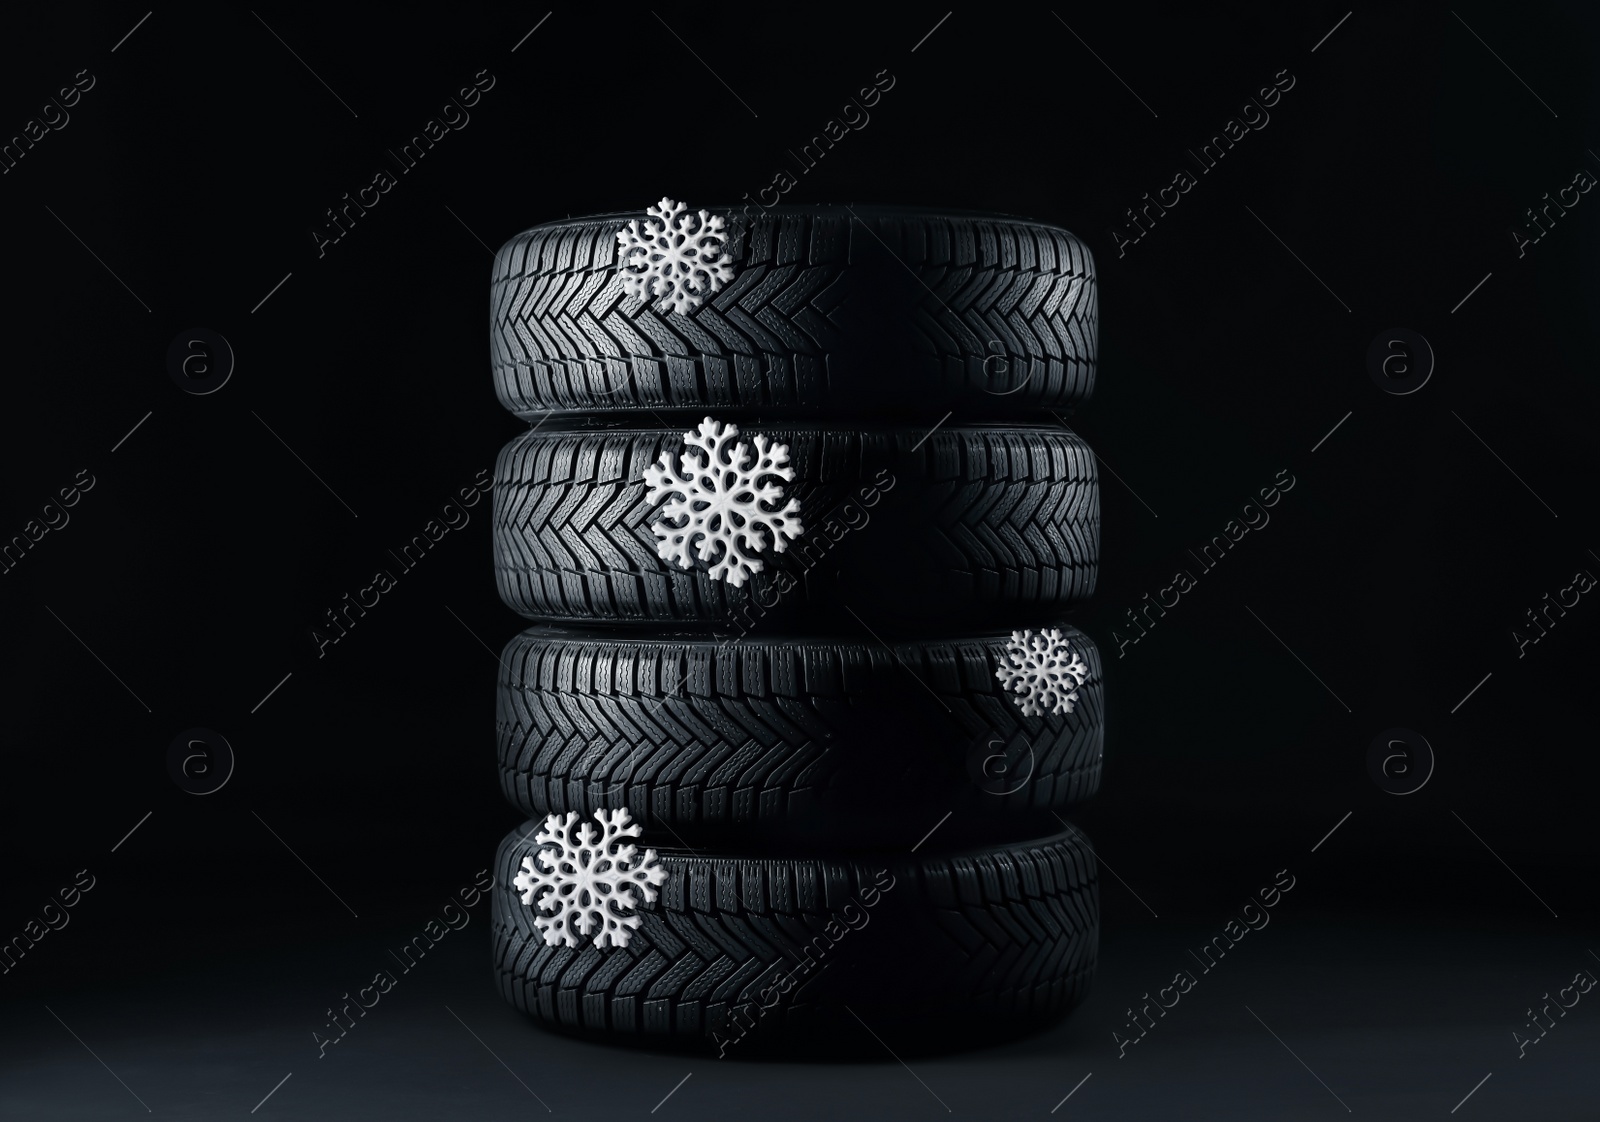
(833, 311)
(905, 530)
(928, 951)
(782, 743)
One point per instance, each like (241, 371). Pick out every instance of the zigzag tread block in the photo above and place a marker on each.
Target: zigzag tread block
(886, 309)
(982, 525)
(740, 953)
(788, 740)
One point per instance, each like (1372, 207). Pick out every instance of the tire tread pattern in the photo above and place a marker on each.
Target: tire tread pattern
(998, 939)
(997, 301)
(992, 516)
(772, 735)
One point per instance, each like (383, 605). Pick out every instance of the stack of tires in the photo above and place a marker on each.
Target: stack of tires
(797, 521)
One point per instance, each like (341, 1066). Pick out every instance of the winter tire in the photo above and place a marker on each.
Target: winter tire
(902, 528)
(831, 311)
(793, 741)
(738, 953)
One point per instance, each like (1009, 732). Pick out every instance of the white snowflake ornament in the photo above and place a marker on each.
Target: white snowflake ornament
(587, 882)
(1043, 671)
(675, 255)
(718, 508)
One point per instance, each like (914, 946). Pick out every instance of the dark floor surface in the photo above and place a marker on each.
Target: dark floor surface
(1318, 1014)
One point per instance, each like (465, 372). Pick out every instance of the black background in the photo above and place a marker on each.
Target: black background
(1415, 538)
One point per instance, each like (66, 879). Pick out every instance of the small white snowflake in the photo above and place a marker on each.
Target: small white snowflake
(1043, 671)
(588, 882)
(717, 505)
(675, 255)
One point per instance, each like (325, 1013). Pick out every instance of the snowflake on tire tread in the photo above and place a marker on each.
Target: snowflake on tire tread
(717, 508)
(586, 881)
(674, 255)
(1043, 671)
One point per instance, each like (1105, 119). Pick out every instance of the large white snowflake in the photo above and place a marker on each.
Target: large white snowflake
(675, 255)
(1043, 671)
(587, 882)
(717, 505)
